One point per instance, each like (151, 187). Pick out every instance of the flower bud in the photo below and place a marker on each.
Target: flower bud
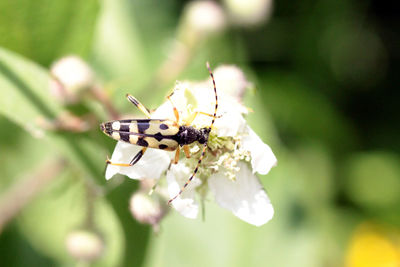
(200, 19)
(231, 80)
(147, 209)
(249, 12)
(70, 77)
(84, 245)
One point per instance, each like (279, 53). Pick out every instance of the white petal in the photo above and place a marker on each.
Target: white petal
(185, 204)
(152, 164)
(245, 197)
(262, 157)
(165, 111)
(230, 124)
(201, 97)
(230, 120)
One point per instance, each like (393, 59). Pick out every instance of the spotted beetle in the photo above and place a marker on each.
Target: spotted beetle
(162, 134)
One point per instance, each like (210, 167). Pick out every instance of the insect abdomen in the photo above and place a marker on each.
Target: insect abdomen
(160, 134)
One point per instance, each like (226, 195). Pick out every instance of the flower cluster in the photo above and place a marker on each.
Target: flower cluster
(234, 154)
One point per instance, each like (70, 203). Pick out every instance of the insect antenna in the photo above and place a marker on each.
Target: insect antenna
(205, 144)
(216, 96)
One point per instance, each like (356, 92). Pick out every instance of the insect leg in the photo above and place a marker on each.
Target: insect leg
(176, 159)
(139, 105)
(138, 156)
(186, 150)
(135, 159)
(194, 115)
(176, 113)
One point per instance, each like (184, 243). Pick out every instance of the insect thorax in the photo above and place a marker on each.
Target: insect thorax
(188, 135)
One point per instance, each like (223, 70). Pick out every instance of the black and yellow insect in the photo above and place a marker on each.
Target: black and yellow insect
(162, 134)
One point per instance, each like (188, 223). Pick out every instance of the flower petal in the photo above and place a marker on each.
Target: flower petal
(230, 110)
(230, 123)
(144, 168)
(165, 111)
(262, 157)
(185, 204)
(179, 100)
(191, 97)
(245, 197)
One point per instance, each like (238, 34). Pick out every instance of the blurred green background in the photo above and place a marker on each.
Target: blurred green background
(325, 99)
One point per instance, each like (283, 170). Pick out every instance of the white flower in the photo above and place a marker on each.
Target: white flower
(234, 154)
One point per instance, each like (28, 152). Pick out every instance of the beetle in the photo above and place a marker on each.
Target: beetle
(162, 134)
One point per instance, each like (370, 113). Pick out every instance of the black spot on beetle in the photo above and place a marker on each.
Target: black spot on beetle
(124, 137)
(124, 127)
(158, 137)
(163, 126)
(142, 142)
(143, 125)
(162, 146)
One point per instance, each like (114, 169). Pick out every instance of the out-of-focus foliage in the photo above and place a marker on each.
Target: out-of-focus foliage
(44, 30)
(325, 98)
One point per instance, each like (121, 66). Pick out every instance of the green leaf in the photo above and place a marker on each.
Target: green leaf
(43, 30)
(19, 152)
(118, 52)
(62, 208)
(129, 46)
(24, 94)
(16, 251)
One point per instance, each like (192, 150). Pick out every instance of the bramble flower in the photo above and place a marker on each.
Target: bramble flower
(234, 154)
